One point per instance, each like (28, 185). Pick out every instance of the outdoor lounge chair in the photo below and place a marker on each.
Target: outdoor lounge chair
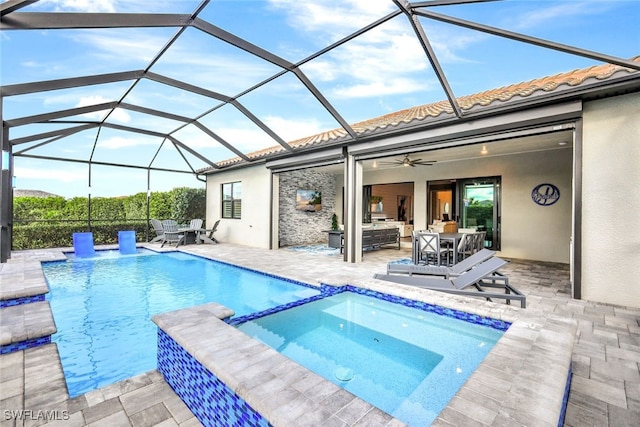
(208, 238)
(171, 233)
(195, 224)
(445, 271)
(157, 227)
(483, 275)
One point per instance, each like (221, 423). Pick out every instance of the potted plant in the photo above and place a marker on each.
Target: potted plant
(334, 222)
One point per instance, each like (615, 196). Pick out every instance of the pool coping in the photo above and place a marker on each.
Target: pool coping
(523, 380)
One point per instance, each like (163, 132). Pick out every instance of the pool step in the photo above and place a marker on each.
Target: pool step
(26, 326)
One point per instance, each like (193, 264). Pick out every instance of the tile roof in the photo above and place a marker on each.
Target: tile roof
(422, 113)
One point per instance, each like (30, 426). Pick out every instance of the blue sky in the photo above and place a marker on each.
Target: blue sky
(382, 71)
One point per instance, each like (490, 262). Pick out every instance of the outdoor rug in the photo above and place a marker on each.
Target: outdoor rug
(320, 249)
(401, 261)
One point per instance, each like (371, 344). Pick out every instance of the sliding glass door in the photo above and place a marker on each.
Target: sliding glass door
(480, 208)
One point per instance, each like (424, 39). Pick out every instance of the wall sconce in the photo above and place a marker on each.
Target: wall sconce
(484, 150)
(375, 164)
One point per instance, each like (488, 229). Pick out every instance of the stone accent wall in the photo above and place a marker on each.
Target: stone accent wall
(298, 227)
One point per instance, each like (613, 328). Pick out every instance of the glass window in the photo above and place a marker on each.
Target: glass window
(232, 200)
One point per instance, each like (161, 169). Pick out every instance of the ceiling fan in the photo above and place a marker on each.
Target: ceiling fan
(409, 162)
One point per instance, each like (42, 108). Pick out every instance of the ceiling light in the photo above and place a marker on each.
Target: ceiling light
(484, 150)
(562, 143)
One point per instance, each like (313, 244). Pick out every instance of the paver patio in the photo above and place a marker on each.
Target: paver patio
(605, 389)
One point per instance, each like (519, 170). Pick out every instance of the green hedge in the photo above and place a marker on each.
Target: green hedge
(50, 222)
(55, 235)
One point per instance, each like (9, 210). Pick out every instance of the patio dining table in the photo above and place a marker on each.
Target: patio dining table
(450, 238)
(190, 235)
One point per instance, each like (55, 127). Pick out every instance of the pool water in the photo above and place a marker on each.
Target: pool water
(103, 306)
(406, 361)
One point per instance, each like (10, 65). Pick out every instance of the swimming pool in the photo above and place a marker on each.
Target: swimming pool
(102, 306)
(404, 360)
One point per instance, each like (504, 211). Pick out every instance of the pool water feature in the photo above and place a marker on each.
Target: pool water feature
(102, 306)
(406, 361)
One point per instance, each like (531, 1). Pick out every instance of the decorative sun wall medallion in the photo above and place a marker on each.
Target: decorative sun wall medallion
(545, 194)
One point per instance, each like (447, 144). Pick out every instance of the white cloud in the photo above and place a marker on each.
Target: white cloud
(83, 5)
(380, 88)
(120, 45)
(563, 12)
(116, 142)
(337, 19)
(249, 139)
(118, 115)
(65, 175)
(387, 60)
(290, 130)
(108, 6)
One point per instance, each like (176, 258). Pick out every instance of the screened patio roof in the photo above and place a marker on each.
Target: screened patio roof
(182, 87)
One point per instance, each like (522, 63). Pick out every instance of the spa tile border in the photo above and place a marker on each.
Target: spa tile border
(328, 290)
(22, 300)
(23, 345)
(210, 400)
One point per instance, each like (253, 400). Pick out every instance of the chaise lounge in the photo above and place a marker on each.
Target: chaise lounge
(441, 270)
(484, 275)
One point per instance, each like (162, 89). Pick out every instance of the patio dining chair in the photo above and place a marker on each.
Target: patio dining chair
(195, 224)
(171, 233)
(430, 249)
(479, 240)
(157, 227)
(467, 246)
(206, 236)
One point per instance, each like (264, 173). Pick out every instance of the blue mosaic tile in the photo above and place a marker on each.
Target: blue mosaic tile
(327, 290)
(23, 345)
(22, 300)
(246, 318)
(500, 325)
(210, 400)
(565, 400)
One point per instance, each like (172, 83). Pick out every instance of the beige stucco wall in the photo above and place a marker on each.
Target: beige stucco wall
(253, 228)
(611, 201)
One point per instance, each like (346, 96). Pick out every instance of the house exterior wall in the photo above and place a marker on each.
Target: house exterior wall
(253, 228)
(610, 234)
(611, 201)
